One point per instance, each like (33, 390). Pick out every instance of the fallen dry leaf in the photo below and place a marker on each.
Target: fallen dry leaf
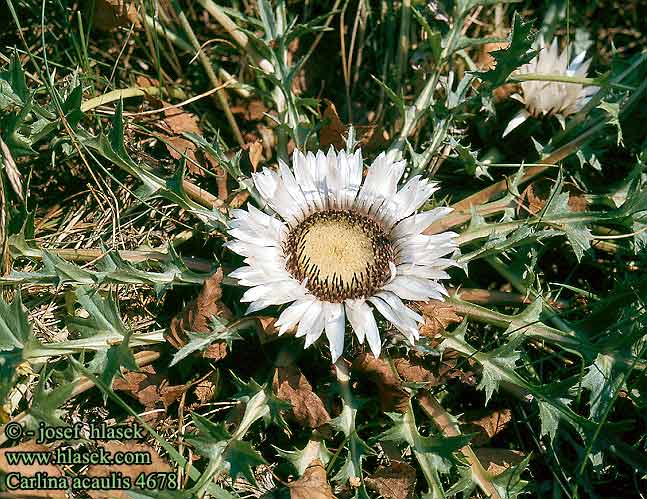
(110, 14)
(415, 370)
(196, 317)
(131, 471)
(433, 370)
(151, 389)
(255, 152)
(535, 196)
(393, 397)
(487, 426)
(268, 139)
(496, 461)
(396, 481)
(253, 110)
(30, 470)
(485, 61)
(292, 386)
(334, 132)
(177, 121)
(438, 315)
(206, 389)
(142, 384)
(313, 484)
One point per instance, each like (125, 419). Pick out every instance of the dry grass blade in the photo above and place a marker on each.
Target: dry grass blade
(11, 170)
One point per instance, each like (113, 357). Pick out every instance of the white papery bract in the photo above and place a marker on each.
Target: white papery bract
(341, 247)
(552, 98)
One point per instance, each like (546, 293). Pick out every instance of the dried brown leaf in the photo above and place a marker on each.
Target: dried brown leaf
(292, 386)
(313, 484)
(178, 147)
(31, 470)
(393, 397)
(415, 370)
(253, 110)
(535, 196)
(487, 426)
(177, 121)
(206, 389)
(131, 471)
(150, 388)
(496, 461)
(254, 150)
(110, 14)
(396, 481)
(438, 316)
(334, 131)
(196, 317)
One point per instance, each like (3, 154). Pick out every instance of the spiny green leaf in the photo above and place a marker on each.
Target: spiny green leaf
(518, 52)
(72, 106)
(210, 438)
(520, 322)
(301, 459)
(15, 330)
(46, 403)
(261, 402)
(112, 148)
(118, 356)
(439, 451)
(103, 317)
(200, 341)
(13, 85)
(577, 233)
(65, 271)
(471, 163)
(603, 378)
(613, 116)
(495, 365)
(241, 457)
(509, 484)
(352, 467)
(550, 416)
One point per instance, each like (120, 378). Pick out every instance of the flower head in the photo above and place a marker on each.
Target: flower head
(552, 98)
(342, 247)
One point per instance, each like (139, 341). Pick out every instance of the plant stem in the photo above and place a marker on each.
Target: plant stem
(566, 79)
(211, 74)
(447, 425)
(567, 339)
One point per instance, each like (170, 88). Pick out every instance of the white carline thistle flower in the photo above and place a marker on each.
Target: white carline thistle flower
(552, 98)
(341, 245)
